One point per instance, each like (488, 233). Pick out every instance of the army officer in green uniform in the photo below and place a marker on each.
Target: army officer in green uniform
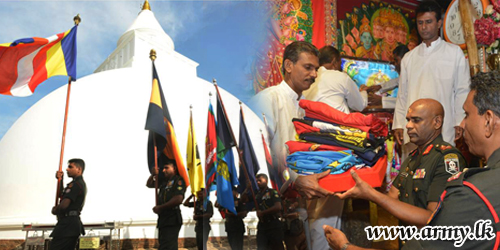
(269, 230)
(416, 190)
(171, 194)
(69, 226)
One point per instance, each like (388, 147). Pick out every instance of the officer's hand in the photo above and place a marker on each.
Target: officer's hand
(459, 131)
(157, 209)
(154, 171)
(336, 239)
(308, 186)
(59, 174)
(363, 88)
(361, 190)
(398, 134)
(54, 210)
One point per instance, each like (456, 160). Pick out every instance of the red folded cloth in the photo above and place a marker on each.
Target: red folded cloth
(294, 146)
(322, 111)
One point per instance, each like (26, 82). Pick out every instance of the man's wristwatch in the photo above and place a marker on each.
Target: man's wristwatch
(345, 246)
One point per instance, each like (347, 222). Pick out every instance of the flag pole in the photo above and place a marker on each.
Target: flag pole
(236, 144)
(77, 21)
(152, 55)
(194, 153)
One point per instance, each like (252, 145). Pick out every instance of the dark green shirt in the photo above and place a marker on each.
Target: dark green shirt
(267, 199)
(169, 189)
(461, 206)
(423, 175)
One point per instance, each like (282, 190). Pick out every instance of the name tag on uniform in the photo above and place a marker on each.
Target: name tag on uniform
(419, 173)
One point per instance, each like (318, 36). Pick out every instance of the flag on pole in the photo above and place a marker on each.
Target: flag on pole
(27, 62)
(159, 122)
(193, 160)
(273, 175)
(248, 157)
(226, 170)
(210, 151)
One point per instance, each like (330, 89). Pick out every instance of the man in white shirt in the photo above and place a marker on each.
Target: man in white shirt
(435, 69)
(280, 104)
(387, 102)
(335, 87)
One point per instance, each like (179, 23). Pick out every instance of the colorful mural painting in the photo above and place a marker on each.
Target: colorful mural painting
(373, 30)
(290, 20)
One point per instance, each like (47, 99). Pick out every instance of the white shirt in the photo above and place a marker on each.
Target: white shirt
(280, 104)
(439, 72)
(338, 90)
(389, 102)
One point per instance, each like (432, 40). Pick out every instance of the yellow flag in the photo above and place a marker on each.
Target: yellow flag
(193, 160)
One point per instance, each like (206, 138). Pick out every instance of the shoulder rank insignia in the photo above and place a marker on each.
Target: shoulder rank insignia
(455, 176)
(412, 153)
(419, 173)
(451, 163)
(428, 149)
(443, 147)
(70, 185)
(179, 183)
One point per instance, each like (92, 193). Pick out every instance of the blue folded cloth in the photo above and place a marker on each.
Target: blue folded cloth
(312, 162)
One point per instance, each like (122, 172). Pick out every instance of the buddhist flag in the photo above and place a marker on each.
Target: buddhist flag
(226, 170)
(210, 151)
(193, 160)
(27, 62)
(161, 130)
(248, 157)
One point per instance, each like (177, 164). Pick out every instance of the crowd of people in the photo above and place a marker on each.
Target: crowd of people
(437, 104)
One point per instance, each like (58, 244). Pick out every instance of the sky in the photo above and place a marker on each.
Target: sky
(222, 36)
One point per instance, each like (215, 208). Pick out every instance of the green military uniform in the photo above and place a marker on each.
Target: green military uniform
(69, 226)
(462, 206)
(235, 227)
(423, 175)
(269, 229)
(170, 219)
(202, 227)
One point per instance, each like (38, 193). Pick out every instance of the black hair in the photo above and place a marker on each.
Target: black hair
(261, 175)
(293, 50)
(327, 54)
(429, 6)
(164, 160)
(400, 50)
(487, 96)
(78, 162)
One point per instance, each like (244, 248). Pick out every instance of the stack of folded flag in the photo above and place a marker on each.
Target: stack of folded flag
(335, 141)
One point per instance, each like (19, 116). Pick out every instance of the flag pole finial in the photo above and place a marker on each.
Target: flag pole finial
(146, 5)
(191, 106)
(241, 103)
(214, 81)
(77, 19)
(152, 54)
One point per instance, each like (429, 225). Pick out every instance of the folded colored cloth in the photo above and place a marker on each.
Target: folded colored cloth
(350, 142)
(306, 126)
(343, 133)
(320, 161)
(294, 146)
(368, 155)
(324, 112)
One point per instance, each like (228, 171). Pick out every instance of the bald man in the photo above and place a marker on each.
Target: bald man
(416, 190)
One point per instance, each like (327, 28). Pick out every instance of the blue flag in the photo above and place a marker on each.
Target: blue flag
(248, 157)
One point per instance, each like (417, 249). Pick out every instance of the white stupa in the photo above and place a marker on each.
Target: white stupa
(107, 115)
